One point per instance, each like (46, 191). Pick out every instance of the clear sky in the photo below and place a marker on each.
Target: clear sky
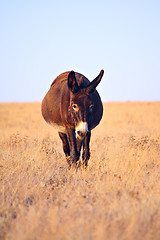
(41, 39)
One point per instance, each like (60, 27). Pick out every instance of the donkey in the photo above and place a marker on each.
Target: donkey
(74, 107)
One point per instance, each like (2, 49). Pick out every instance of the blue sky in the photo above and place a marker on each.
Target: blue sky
(41, 39)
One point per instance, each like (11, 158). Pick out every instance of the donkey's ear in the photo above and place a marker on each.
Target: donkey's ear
(72, 82)
(92, 86)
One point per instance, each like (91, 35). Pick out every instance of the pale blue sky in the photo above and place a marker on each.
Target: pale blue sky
(41, 39)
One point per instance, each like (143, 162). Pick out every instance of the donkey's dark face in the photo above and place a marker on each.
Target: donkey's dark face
(81, 109)
(81, 105)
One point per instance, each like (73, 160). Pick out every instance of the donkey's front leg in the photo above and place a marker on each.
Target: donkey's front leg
(66, 149)
(86, 150)
(74, 154)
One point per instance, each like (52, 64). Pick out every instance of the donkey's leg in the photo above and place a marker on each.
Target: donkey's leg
(74, 154)
(79, 145)
(86, 150)
(66, 149)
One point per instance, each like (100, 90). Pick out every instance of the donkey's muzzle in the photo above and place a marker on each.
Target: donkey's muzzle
(81, 134)
(82, 129)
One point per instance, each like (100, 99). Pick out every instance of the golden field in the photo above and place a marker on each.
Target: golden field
(116, 197)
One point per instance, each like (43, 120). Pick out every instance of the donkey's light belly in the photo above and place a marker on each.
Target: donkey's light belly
(57, 127)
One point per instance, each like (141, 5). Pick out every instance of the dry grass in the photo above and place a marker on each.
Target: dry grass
(117, 197)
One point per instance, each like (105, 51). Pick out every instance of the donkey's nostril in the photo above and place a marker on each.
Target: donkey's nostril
(81, 134)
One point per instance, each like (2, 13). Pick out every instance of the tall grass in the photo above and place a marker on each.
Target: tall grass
(116, 197)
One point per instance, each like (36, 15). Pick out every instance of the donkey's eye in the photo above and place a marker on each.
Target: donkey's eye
(91, 108)
(75, 107)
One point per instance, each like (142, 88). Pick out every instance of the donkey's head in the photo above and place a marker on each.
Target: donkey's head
(81, 103)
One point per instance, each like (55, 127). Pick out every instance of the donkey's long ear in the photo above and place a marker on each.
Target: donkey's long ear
(92, 86)
(72, 83)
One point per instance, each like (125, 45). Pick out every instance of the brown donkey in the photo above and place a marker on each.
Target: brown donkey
(74, 107)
